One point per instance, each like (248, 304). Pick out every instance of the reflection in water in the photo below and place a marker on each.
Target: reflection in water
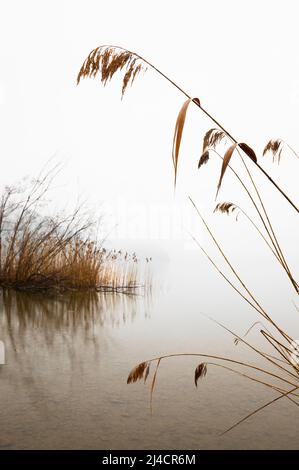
(68, 358)
(54, 348)
(22, 313)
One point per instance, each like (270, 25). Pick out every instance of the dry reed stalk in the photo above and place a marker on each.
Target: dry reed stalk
(106, 60)
(269, 236)
(43, 253)
(201, 372)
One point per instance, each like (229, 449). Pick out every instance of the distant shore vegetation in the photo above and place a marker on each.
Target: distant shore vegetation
(58, 252)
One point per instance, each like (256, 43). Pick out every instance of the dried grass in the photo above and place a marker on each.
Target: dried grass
(178, 132)
(200, 372)
(105, 61)
(138, 373)
(226, 159)
(43, 253)
(225, 207)
(279, 340)
(212, 138)
(203, 159)
(274, 147)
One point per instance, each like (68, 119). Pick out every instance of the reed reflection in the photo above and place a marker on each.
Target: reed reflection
(26, 317)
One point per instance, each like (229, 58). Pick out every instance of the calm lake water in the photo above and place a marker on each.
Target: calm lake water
(68, 357)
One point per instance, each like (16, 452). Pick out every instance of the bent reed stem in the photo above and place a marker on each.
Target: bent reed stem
(212, 118)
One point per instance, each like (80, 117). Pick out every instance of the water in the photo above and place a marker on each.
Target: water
(68, 357)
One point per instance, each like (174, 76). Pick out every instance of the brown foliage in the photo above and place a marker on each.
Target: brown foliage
(138, 372)
(178, 132)
(105, 61)
(200, 372)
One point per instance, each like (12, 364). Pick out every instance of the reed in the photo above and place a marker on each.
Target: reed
(60, 252)
(282, 365)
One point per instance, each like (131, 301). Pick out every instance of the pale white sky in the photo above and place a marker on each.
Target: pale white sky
(239, 57)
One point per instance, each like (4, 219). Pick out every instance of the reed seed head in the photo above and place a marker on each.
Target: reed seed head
(274, 146)
(225, 207)
(200, 372)
(210, 141)
(105, 61)
(138, 372)
(212, 138)
(203, 159)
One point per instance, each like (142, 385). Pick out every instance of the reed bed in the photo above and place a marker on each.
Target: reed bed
(59, 252)
(280, 370)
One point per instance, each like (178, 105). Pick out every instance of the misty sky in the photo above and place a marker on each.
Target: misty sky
(240, 58)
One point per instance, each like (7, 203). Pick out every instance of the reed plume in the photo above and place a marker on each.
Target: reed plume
(138, 372)
(200, 372)
(276, 147)
(105, 61)
(225, 207)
